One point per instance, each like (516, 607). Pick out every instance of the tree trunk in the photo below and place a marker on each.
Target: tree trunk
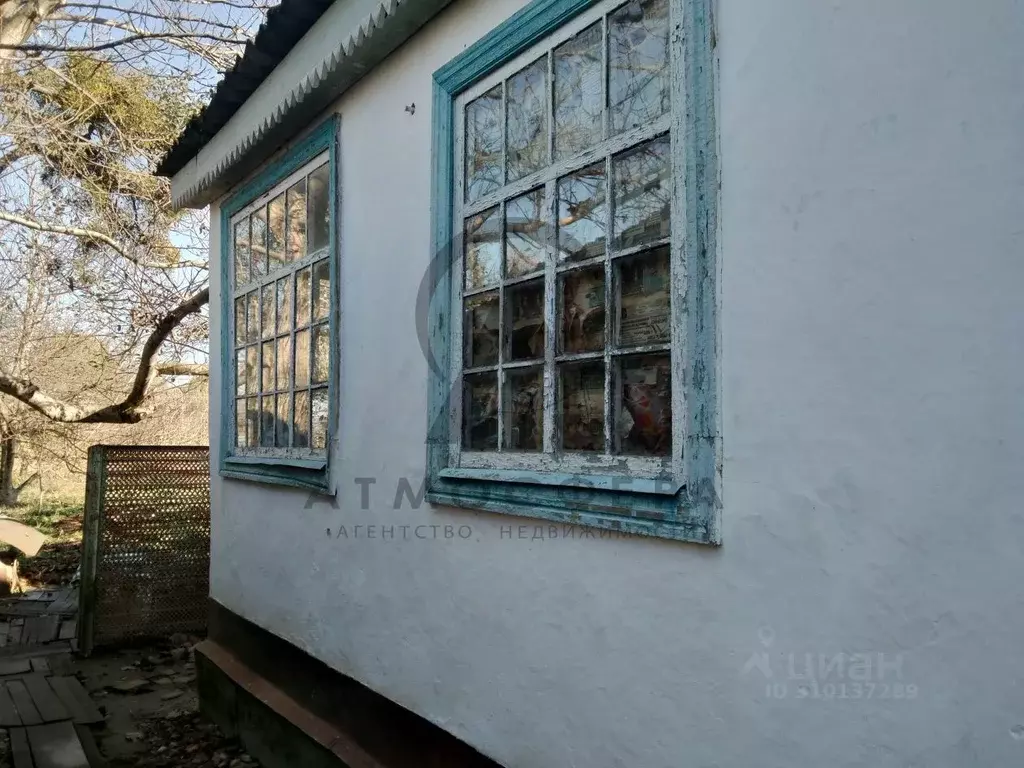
(8, 493)
(19, 18)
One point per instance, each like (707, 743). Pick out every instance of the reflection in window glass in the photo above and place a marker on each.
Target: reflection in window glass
(480, 406)
(284, 305)
(644, 299)
(275, 231)
(240, 376)
(253, 316)
(300, 425)
(258, 242)
(638, 63)
(582, 407)
(643, 194)
(267, 307)
(525, 234)
(483, 145)
(644, 419)
(302, 358)
(480, 327)
(240, 440)
(321, 290)
(319, 209)
(269, 366)
(283, 424)
(582, 214)
(527, 99)
(269, 415)
(295, 228)
(302, 298)
(483, 249)
(284, 362)
(320, 416)
(524, 409)
(252, 421)
(241, 248)
(252, 381)
(524, 329)
(321, 353)
(583, 310)
(239, 321)
(579, 106)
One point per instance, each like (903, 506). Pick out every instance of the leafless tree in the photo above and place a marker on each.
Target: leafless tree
(92, 255)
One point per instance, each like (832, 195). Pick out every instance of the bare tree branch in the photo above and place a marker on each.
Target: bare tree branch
(183, 369)
(125, 412)
(48, 48)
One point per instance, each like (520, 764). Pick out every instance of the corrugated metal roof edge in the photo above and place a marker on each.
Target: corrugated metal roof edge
(394, 23)
(284, 26)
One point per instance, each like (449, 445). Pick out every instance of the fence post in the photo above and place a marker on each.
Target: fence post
(95, 481)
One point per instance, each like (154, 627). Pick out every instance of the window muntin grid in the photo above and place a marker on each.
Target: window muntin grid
(557, 229)
(280, 325)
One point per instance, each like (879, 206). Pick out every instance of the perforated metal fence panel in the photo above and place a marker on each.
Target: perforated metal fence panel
(146, 545)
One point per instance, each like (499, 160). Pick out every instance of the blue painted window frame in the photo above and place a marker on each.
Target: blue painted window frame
(687, 511)
(312, 473)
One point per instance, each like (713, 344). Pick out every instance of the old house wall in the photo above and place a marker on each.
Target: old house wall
(872, 341)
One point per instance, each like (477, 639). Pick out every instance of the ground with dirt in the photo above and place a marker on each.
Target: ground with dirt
(60, 520)
(148, 695)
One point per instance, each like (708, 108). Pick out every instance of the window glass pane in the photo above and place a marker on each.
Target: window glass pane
(638, 63)
(480, 330)
(321, 290)
(582, 405)
(284, 362)
(269, 415)
(240, 320)
(579, 110)
(240, 423)
(527, 120)
(480, 412)
(582, 214)
(241, 247)
(257, 263)
(282, 437)
(524, 409)
(240, 372)
(267, 303)
(252, 421)
(300, 426)
(483, 145)
(525, 234)
(269, 366)
(644, 420)
(483, 249)
(275, 230)
(296, 226)
(302, 298)
(642, 194)
(302, 358)
(253, 316)
(524, 329)
(583, 310)
(319, 209)
(259, 239)
(321, 353)
(320, 415)
(252, 371)
(284, 305)
(644, 299)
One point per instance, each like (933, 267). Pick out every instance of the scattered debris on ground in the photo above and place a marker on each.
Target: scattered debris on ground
(148, 695)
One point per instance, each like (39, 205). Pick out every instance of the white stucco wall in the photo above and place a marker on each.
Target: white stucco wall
(873, 339)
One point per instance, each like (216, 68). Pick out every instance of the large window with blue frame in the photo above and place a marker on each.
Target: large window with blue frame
(568, 348)
(279, 289)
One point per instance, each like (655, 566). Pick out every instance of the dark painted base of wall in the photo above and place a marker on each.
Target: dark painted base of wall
(291, 710)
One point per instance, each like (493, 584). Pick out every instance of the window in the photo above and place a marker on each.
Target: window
(280, 289)
(569, 388)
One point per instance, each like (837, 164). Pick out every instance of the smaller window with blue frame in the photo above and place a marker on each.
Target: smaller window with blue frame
(279, 296)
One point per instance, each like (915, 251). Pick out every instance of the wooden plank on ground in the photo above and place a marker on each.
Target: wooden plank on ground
(15, 666)
(40, 664)
(8, 712)
(77, 700)
(23, 701)
(66, 601)
(60, 664)
(47, 702)
(68, 629)
(92, 751)
(25, 608)
(20, 749)
(57, 746)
